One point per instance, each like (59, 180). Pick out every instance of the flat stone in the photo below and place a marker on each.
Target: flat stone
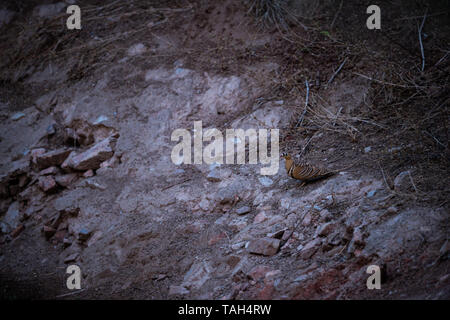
(66, 180)
(93, 157)
(49, 171)
(52, 158)
(178, 290)
(213, 176)
(326, 229)
(310, 249)
(243, 210)
(264, 246)
(71, 258)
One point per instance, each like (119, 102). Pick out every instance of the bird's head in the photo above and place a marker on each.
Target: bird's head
(286, 156)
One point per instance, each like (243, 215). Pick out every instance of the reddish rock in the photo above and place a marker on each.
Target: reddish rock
(89, 173)
(258, 272)
(93, 157)
(49, 171)
(52, 158)
(310, 249)
(47, 184)
(216, 238)
(264, 246)
(66, 179)
(260, 217)
(267, 292)
(60, 235)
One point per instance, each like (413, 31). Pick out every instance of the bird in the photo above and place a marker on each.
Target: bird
(304, 171)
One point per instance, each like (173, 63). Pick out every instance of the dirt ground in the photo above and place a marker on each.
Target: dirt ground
(85, 137)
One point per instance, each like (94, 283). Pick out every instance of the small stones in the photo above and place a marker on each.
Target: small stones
(66, 179)
(51, 129)
(265, 181)
(84, 235)
(71, 258)
(307, 220)
(48, 231)
(213, 176)
(49, 171)
(310, 249)
(392, 210)
(17, 116)
(260, 217)
(264, 246)
(178, 291)
(47, 184)
(88, 174)
(326, 229)
(243, 210)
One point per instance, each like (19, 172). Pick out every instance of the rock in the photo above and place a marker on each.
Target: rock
(52, 158)
(392, 210)
(325, 215)
(215, 238)
(84, 234)
(326, 229)
(95, 185)
(259, 272)
(51, 129)
(310, 249)
(213, 176)
(197, 275)
(100, 119)
(17, 230)
(88, 174)
(35, 153)
(66, 180)
(402, 182)
(49, 171)
(307, 220)
(265, 181)
(277, 234)
(137, 49)
(47, 184)
(260, 217)
(48, 10)
(48, 231)
(12, 217)
(17, 116)
(94, 156)
(72, 257)
(243, 210)
(264, 246)
(178, 290)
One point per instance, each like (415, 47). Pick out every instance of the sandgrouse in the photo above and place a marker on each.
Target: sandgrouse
(305, 172)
